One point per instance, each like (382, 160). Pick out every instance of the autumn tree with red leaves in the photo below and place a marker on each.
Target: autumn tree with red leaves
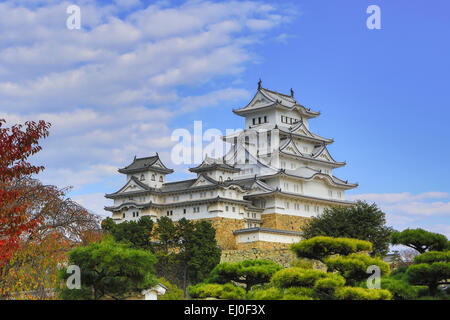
(17, 144)
(38, 223)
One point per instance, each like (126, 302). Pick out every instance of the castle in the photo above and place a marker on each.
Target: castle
(276, 175)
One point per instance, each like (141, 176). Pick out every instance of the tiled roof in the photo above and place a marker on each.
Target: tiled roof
(144, 164)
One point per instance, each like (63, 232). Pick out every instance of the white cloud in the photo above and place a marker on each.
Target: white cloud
(428, 210)
(110, 90)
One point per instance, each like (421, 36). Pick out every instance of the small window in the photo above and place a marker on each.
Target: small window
(265, 119)
(153, 177)
(142, 177)
(259, 120)
(254, 120)
(184, 211)
(226, 208)
(161, 179)
(123, 215)
(220, 179)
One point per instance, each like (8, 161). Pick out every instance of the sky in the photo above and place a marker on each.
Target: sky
(137, 70)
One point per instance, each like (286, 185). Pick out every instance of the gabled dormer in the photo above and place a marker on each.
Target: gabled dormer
(216, 169)
(149, 171)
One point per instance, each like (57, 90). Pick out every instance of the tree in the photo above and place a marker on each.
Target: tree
(213, 290)
(17, 144)
(431, 269)
(172, 293)
(319, 248)
(420, 240)
(137, 233)
(201, 251)
(110, 270)
(247, 272)
(186, 251)
(360, 221)
(354, 266)
(355, 293)
(30, 272)
(38, 223)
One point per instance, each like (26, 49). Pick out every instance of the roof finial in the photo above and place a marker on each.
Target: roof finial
(292, 93)
(259, 83)
(134, 158)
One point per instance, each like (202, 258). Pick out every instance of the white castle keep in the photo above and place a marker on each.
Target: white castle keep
(275, 174)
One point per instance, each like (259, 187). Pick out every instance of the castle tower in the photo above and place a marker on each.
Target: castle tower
(276, 175)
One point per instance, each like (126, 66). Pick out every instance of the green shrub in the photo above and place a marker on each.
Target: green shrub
(354, 266)
(321, 247)
(299, 293)
(302, 263)
(271, 293)
(248, 272)
(420, 240)
(297, 277)
(431, 269)
(219, 291)
(331, 283)
(355, 293)
(172, 293)
(401, 290)
(433, 256)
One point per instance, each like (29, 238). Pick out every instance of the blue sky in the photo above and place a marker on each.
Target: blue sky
(137, 70)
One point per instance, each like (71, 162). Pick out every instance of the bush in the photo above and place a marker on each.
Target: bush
(297, 277)
(431, 269)
(302, 263)
(271, 293)
(248, 272)
(219, 291)
(355, 293)
(299, 293)
(172, 293)
(320, 247)
(420, 240)
(354, 266)
(401, 290)
(433, 256)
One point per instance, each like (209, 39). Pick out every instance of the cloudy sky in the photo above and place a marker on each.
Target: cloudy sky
(137, 70)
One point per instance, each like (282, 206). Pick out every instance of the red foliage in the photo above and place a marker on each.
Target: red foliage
(17, 143)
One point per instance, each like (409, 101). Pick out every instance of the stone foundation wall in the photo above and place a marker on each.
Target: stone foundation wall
(224, 231)
(282, 256)
(283, 222)
(264, 245)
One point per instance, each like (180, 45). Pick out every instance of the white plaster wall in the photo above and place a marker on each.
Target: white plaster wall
(267, 237)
